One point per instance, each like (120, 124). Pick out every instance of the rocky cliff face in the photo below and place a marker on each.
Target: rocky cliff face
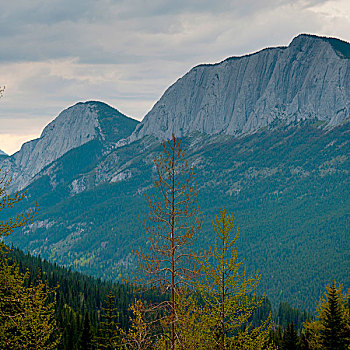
(309, 79)
(73, 127)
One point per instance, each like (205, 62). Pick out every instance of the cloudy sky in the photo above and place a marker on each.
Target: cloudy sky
(55, 53)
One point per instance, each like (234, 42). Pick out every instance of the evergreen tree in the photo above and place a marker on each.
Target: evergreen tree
(290, 340)
(169, 264)
(86, 337)
(333, 333)
(109, 332)
(276, 336)
(218, 317)
(11, 304)
(26, 315)
(38, 328)
(330, 329)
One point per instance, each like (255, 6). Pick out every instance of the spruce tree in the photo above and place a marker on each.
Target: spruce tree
(109, 331)
(290, 340)
(330, 329)
(333, 334)
(86, 337)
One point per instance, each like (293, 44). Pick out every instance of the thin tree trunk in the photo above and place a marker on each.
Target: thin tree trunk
(173, 256)
(223, 292)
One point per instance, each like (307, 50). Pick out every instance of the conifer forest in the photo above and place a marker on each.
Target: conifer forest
(177, 297)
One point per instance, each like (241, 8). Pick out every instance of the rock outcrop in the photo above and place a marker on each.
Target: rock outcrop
(309, 79)
(73, 127)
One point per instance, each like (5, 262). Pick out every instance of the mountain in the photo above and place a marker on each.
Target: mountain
(309, 79)
(3, 155)
(73, 127)
(287, 182)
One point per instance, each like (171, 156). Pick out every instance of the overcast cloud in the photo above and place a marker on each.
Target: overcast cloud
(55, 53)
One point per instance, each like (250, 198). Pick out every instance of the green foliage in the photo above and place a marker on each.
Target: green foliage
(334, 332)
(219, 316)
(287, 315)
(87, 335)
(290, 340)
(109, 331)
(262, 178)
(26, 314)
(139, 335)
(331, 328)
(39, 328)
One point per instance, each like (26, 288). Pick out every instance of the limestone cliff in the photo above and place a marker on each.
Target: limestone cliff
(309, 79)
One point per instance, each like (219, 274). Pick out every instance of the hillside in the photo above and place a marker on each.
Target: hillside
(288, 190)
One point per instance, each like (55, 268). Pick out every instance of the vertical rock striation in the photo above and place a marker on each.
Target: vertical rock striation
(309, 79)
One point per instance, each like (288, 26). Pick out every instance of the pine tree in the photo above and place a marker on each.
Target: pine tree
(290, 340)
(169, 264)
(333, 334)
(330, 329)
(109, 331)
(218, 318)
(86, 337)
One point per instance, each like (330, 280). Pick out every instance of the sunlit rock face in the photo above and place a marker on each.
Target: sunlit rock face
(72, 128)
(309, 79)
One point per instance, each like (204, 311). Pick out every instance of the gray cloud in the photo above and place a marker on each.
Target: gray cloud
(127, 52)
(100, 31)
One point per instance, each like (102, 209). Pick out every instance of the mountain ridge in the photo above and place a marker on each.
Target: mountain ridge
(239, 95)
(73, 127)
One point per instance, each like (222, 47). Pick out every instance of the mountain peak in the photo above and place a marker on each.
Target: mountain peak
(306, 80)
(73, 127)
(341, 47)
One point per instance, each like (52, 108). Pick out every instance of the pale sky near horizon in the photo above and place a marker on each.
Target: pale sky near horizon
(55, 53)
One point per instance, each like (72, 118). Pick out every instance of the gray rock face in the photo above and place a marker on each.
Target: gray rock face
(73, 127)
(309, 79)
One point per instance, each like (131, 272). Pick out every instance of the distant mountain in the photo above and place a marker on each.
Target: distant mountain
(309, 79)
(268, 135)
(73, 127)
(3, 155)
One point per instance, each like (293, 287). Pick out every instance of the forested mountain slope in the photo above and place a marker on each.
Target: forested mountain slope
(288, 189)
